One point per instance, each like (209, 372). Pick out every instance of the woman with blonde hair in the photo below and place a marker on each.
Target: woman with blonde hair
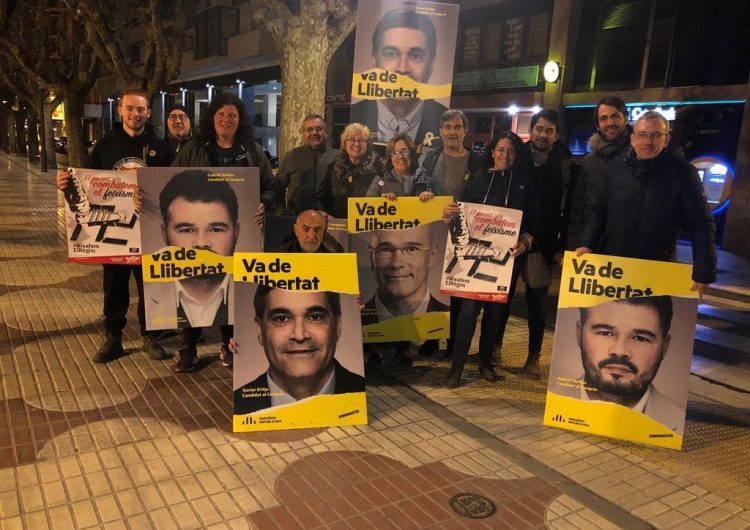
(351, 172)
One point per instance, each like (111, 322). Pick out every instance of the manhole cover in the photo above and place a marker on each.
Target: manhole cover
(472, 505)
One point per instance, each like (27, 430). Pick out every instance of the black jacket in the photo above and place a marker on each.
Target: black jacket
(197, 153)
(547, 184)
(430, 161)
(590, 179)
(346, 382)
(300, 177)
(344, 179)
(119, 150)
(644, 205)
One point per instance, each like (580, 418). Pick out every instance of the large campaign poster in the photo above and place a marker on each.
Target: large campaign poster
(298, 362)
(400, 246)
(622, 350)
(403, 67)
(282, 233)
(478, 262)
(100, 219)
(192, 221)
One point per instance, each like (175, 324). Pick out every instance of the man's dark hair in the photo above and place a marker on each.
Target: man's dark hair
(313, 117)
(401, 18)
(261, 297)
(244, 129)
(662, 305)
(452, 114)
(550, 115)
(610, 101)
(193, 186)
(514, 139)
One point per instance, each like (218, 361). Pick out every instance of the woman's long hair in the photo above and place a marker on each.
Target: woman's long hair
(206, 126)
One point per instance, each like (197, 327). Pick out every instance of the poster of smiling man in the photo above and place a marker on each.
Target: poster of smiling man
(298, 361)
(192, 222)
(403, 67)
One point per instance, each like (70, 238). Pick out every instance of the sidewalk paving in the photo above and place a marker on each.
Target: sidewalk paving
(130, 445)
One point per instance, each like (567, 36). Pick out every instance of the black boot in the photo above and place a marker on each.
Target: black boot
(110, 349)
(453, 379)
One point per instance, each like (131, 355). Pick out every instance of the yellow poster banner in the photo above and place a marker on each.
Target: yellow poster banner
(299, 272)
(177, 263)
(622, 350)
(377, 83)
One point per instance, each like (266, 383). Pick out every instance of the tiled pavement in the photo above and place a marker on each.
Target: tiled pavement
(129, 445)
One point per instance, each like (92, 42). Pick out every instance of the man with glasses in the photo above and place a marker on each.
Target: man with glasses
(404, 42)
(179, 128)
(302, 169)
(401, 260)
(650, 195)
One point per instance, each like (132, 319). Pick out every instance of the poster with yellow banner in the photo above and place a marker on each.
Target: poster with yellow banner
(400, 246)
(622, 350)
(403, 67)
(192, 222)
(298, 361)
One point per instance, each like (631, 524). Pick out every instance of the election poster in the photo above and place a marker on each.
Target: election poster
(192, 222)
(400, 246)
(403, 68)
(310, 231)
(478, 262)
(622, 350)
(100, 219)
(299, 361)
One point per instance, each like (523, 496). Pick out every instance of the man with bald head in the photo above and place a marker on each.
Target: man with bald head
(310, 235)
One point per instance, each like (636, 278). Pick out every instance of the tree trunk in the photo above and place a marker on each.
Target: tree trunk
(74, 129)
(32, 135)
(49, 135)
(20, 118)
(304, 68)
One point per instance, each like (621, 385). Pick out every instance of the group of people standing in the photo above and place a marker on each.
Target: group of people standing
(631, 199)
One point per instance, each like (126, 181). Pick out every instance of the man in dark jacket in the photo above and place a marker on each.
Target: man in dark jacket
(302, 170)
(650, 195)
(179, 128)
(611, 138)
(128, 147)
(546, 163)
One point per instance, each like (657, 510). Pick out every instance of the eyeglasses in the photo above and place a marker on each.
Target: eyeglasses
(356, 141)
(387, 252)
(400, 152)
(178, 117)
(317, 129)
(649, 136)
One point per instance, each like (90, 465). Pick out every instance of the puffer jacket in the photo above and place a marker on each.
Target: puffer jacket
(643, 206)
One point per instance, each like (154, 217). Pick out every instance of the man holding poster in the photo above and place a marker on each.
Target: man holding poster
(396, 96)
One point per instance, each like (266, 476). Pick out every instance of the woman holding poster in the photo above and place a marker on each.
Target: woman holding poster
(401, 177)
(498, 183)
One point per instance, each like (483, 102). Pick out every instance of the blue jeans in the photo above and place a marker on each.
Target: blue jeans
(466, 325)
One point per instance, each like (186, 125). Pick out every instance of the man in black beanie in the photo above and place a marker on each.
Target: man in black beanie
(179, 128)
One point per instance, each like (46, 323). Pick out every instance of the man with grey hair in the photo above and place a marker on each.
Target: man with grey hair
(650, 195)
(449, 167)
(302, 169)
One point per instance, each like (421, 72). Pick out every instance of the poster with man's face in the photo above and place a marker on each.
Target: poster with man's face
(298, 360)
(403, 67)
(400, 247)
(621, 357)
(192, 222)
